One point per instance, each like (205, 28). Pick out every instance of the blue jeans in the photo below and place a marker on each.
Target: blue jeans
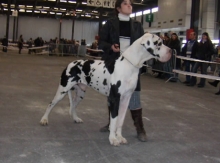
(188, 68)
(203, 67)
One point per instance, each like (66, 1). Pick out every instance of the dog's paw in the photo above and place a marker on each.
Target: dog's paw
(114, 142)
(78, 120)
(44, 121)
(121, 140)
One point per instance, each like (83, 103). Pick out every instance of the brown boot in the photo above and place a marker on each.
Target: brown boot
(106, 128)
(138, 123)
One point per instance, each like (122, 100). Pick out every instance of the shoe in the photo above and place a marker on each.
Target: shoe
(138, 123)
(186, 82)
(105, 128)
(174, 81)
(200, 86)
(190, 85)
(215, 83)
(218, 93)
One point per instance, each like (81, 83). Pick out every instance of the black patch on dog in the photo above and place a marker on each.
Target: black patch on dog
(156, 42)
(99, 63)
(150, 50)
(122, 58)
(110, 64)
(74, 71)
(72, 88)
(81, 97)
(104, 72)
(63, 92)
(75, 62)
(114, 99)
(160, 44)
(148, 43)
(104, 82)
(86, 68)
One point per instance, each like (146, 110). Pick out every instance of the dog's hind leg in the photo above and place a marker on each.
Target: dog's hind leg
(59, 96)
(79, 91)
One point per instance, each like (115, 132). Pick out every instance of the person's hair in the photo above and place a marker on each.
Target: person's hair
(208, 38)
(118, 5)
(174, 34)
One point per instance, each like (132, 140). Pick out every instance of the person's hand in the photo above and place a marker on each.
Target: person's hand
(115, 48)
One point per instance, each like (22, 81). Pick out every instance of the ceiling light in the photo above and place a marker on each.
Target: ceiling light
(29, 6)
(62, 0)
(82, 15)
(95, 11)
(146, 12)
(5, 9)
(154, 9)
(58, 13)
(84, 3)
(43, 12)
(46, 7)
(87, 15)
(132, 15)
(63, 9)
(72, 1)
(78, 10)
(38, 7)
(21, 10)
(28, 10)
(55, 8)
(12, 6)
(37, 11)
(52, 12)
(103, 22)
(97, 17)
(21, 6)
(139, 13)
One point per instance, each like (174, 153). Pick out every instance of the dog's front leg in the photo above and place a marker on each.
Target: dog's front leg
(112, 136)
(121, 116)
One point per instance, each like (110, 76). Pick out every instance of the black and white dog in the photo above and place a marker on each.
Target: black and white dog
(116, 80)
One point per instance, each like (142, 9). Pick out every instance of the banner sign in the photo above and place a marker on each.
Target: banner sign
(101, 3)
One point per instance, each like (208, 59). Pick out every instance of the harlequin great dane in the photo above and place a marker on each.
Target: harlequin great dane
(116, 79)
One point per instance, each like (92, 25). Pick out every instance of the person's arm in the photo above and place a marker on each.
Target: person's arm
(104, 37)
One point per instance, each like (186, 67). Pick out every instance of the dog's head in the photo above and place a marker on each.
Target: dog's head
(154, 45)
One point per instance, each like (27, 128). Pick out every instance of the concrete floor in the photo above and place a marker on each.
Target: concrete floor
(182, 123)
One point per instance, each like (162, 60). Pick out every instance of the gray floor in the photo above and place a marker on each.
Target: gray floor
(182, 123)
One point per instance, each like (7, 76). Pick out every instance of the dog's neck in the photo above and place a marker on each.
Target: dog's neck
(136, 54)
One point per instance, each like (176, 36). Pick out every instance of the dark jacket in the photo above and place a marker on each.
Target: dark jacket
(194, 50)
(109, 35)
(175, 44)
(205, 51)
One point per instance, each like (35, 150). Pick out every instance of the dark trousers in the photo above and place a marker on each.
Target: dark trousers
(189, 68)
(203, 67)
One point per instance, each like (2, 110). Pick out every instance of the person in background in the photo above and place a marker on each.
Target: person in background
(189, 50)
(205, 51)
(174, 44)
(20, 43)
(215, 83)
(4, 44)
(116, 36)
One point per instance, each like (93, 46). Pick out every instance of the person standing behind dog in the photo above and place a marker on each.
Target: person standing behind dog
(205, 51)
(189, 50)
(20, 43)
(116, 36)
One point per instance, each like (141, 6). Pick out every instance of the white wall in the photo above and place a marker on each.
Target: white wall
(48, 28)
